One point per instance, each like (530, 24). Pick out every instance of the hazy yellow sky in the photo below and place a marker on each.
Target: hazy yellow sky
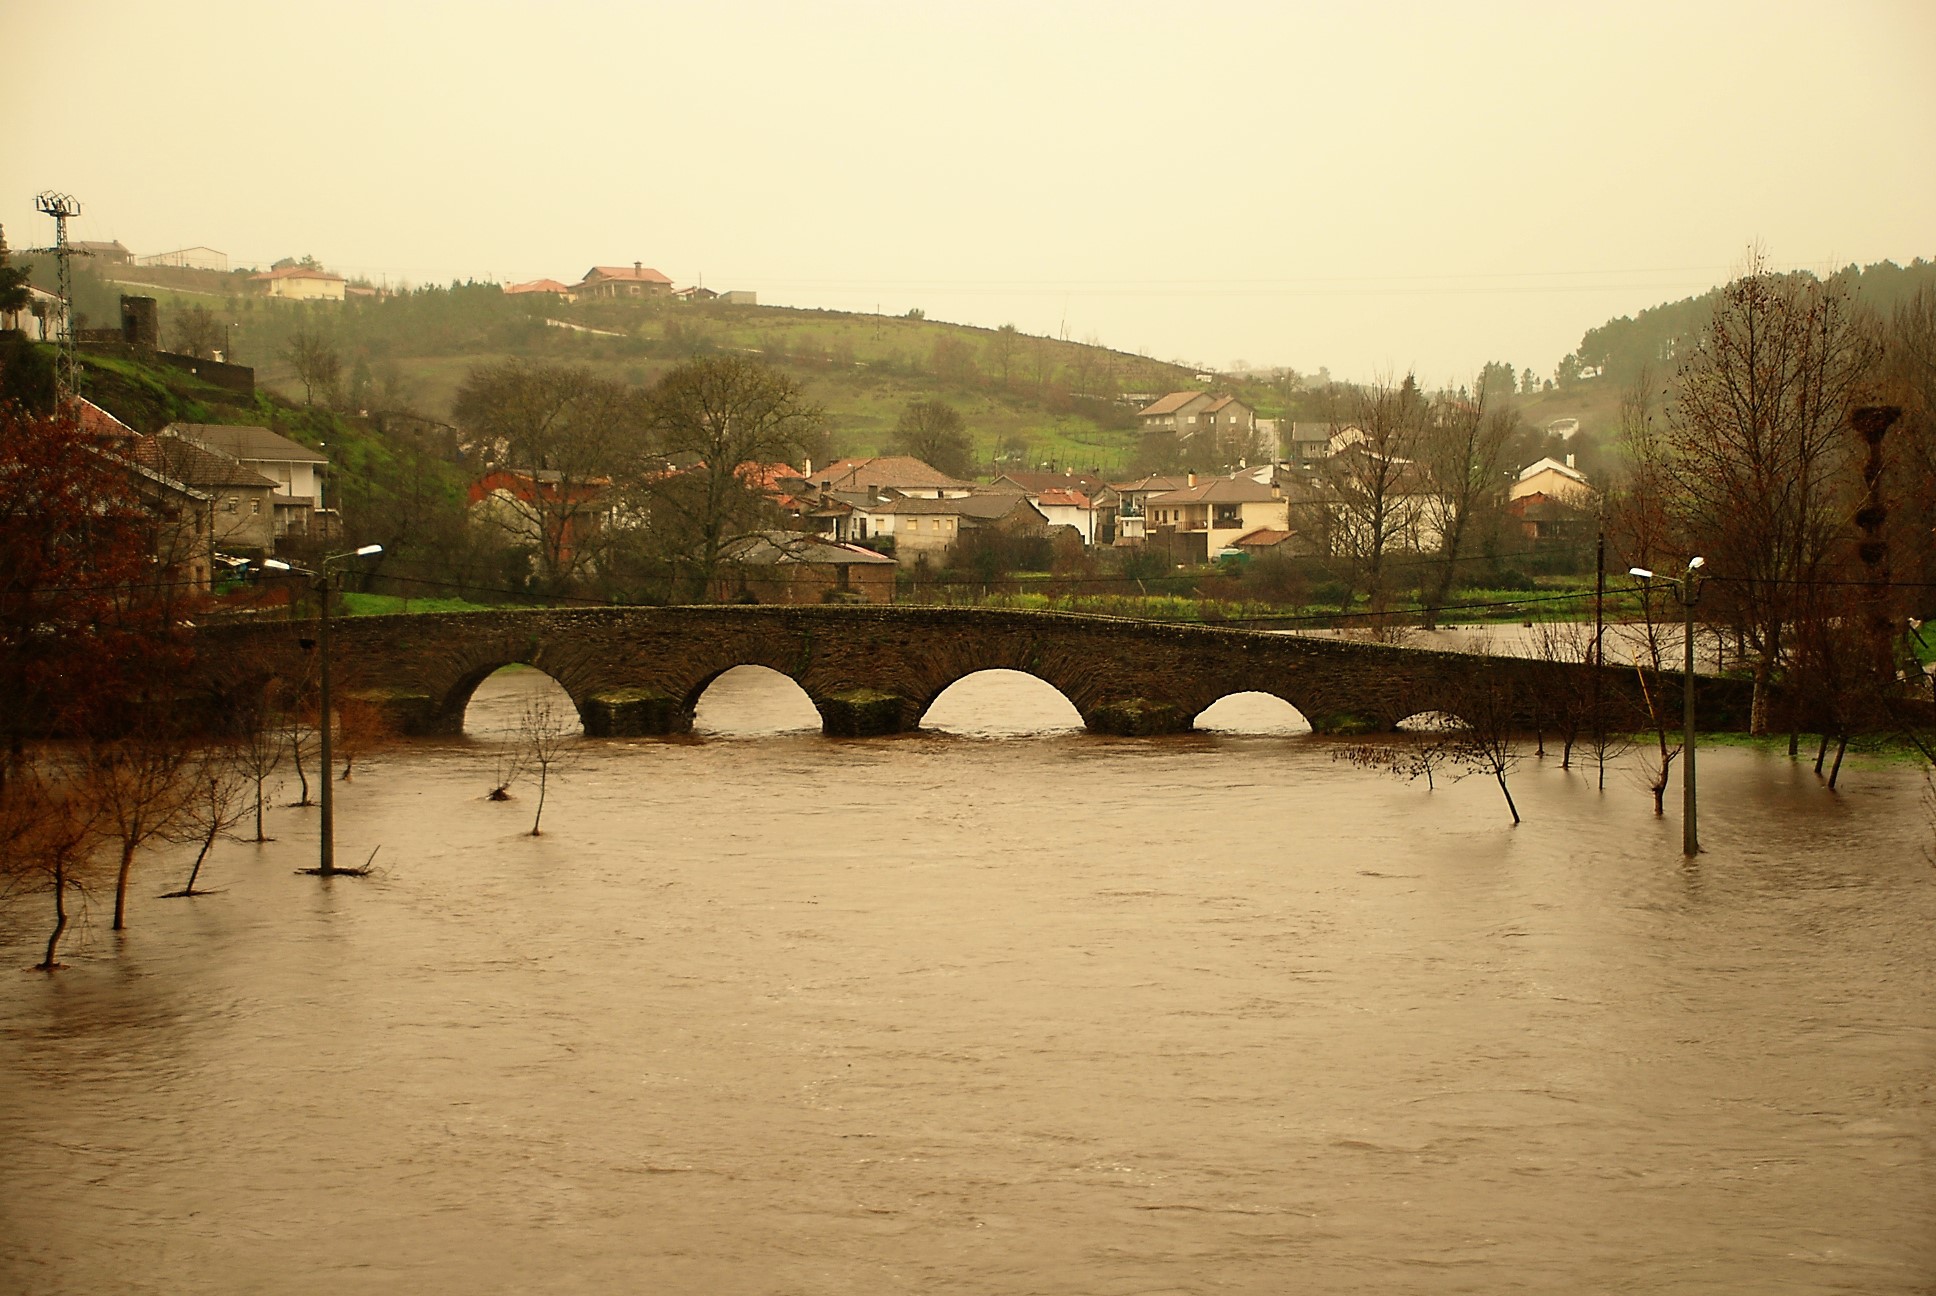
(1368, 186)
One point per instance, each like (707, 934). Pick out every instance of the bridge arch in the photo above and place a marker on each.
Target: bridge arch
(1253, 711)
(494, 702)
(731, 701)
(993, 688)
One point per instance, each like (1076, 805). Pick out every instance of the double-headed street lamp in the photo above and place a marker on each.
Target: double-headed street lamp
(1687, 593)
(326, 858)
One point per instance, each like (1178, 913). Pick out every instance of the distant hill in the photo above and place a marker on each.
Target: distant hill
(1620, 348)
(1028, 400)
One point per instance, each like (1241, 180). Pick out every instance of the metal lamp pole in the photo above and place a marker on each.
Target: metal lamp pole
(1685, 591)
(326, 851)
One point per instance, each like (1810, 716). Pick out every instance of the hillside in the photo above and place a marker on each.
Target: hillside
(1028, 400)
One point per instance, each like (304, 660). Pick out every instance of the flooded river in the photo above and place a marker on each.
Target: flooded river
(998, 1007)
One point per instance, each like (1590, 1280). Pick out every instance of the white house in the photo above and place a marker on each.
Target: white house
(300, 283)
(1553, 479)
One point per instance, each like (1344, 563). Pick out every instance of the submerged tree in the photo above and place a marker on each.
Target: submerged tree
(217, 802)
(1759, 451)
(548, 745)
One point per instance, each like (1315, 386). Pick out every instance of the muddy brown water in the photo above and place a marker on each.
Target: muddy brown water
(998, 1007)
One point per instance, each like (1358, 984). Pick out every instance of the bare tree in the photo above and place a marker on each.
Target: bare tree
(1462, 454)
(50, 832)
(1759, 450)
(720, 423)
(1370, 484)
(1641, 530)
(549, 744)
(141, 781)
(217, 802)
(560, 434)
(258, 753)
(317, 362)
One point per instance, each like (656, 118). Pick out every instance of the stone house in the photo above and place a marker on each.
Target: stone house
(242, 500)
(787, 567)
(928, 529)
(296, 469)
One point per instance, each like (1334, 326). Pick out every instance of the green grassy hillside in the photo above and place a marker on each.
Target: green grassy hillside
(1028, 400)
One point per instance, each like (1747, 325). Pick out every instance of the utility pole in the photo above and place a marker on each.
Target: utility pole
(322, 579)
(1686, 591)
(66, 368)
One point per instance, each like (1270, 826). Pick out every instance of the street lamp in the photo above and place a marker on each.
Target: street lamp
(1687, 593)
(326, 854)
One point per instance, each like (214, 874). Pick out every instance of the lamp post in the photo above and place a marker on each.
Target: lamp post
(1686, 592)
(326, 851)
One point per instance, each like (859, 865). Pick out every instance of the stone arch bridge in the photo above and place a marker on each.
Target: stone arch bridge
(637, 671)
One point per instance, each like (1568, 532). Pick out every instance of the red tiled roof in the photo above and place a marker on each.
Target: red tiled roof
(1063, 498)
(902, 472)
(538, 286)
(1262, 538)
(631, 274)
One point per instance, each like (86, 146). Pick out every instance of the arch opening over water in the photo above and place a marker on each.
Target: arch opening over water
(1430, 722)
(1253, 712)
(749, 700)
(1000, 703)
(498, 703)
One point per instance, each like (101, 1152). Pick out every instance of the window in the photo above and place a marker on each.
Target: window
(230, 504)
(255, 508)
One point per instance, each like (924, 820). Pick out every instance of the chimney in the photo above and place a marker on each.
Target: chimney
(808, 470)
(1193, 479)
(1569, 461)
(638, 267)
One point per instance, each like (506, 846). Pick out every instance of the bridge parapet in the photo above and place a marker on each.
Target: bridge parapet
(877, 670)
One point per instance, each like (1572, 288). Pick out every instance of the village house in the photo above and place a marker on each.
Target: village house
(535, 508)
(1553, 479)
(548, 287)
(1307, 442)
(114, 253)
(787, 567)
(302, 283)
(927, 530)
(296, 470)
(1224, 421)
(1132, 500)
(1220, 509)
(1080, 500)
(609, 283)
(242, 508)
(901, 474)
(694, 293)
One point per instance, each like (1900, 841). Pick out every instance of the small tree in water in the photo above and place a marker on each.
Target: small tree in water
(218, 802)
(547, 744)
(1481, 738)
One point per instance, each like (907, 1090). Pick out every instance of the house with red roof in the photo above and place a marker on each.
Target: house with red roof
(614, 282)
(550, 287)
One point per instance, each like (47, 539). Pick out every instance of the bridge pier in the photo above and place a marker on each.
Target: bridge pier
(863, 713)
(633, 713)
(1138, 718)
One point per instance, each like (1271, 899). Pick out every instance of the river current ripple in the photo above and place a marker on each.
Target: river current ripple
(999, 1007)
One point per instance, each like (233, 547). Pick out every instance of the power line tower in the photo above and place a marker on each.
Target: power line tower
(66, 368)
